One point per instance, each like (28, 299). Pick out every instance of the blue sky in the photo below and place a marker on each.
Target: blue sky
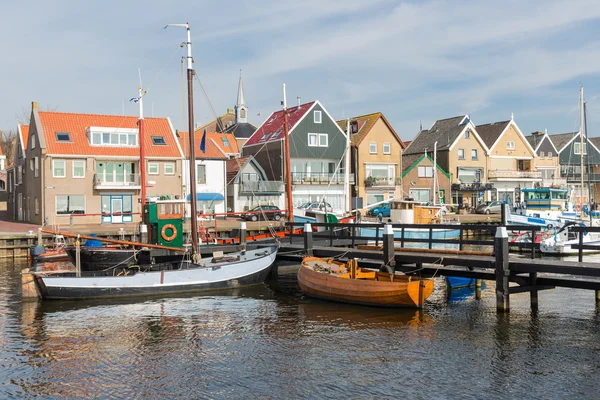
(411, 60)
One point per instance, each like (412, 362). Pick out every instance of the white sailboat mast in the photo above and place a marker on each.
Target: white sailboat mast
(581, 134)
(347, 167)
(435, 195)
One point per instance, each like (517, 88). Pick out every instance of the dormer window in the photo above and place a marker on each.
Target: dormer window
(265, 136)
(276, 134)
(63, 137)
(158, 141)
(225, 141)
(122, 137)
(318, 117)
(354, 127)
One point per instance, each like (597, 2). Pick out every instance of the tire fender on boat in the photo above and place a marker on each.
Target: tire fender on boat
(549, 226)
(163, 232)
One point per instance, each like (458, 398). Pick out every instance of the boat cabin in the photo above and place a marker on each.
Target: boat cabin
(164, 219)
(545, 199)
(413, 212)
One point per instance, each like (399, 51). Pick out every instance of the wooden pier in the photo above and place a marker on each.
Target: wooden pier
(511, 274)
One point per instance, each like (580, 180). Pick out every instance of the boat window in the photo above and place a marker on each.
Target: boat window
(559, 195)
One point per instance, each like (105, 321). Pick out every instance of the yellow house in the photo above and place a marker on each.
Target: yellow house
(510, 161)
(376, 159)
(461, 152)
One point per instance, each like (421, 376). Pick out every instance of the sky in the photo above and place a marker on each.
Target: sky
(415, 61)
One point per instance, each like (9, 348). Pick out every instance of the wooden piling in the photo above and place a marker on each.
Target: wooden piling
(478, 289)
(502, 271)
(243, 235)
(598, 300)
(388, 249)
(77, 259)
(29, 289)
(534, 291)
(308, 239)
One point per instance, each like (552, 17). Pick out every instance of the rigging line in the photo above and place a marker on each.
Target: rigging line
(210, 105)
(163, 68)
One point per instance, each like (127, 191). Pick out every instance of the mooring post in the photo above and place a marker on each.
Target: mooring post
(502, 271)
(39, 238)
(389, 260)
(308, 239)
(580, 251)
(534, 291)
(77, 258)
(243, 236)
(598, 300)
(503, 214)
(143, 233)
(478, 289)
(352, 233)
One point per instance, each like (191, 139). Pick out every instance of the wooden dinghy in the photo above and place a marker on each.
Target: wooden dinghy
(333, 280)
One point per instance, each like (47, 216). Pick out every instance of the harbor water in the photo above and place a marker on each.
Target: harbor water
(271, 342)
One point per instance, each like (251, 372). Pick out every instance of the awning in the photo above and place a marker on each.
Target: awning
(207, 196)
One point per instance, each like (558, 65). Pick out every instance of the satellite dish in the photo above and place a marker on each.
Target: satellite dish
(413, 183)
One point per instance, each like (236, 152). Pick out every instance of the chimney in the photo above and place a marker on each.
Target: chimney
(34, 105)
(299, 100)
(537, 133)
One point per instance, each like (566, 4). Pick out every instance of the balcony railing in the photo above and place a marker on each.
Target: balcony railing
(473, 186)
(574, 178)
(261, 187)
(311, 178)
(553, 182)
(508, 174)
(374, 181)
(131, 181)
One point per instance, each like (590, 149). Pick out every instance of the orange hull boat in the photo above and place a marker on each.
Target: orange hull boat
(333, 280)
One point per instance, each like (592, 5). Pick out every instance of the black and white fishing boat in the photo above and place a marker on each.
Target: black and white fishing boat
(124, 279)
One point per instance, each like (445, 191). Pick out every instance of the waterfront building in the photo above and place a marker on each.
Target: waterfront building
(461, 152)
(317, 150)
(418, 182)
(248, 185)
(376, 159)
(510, 165)
(211, 184)
(85, 168)
(15, 176)
(546, 160)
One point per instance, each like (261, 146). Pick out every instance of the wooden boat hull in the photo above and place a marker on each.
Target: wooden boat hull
(252, 268)
(405, 291)
(52, 256)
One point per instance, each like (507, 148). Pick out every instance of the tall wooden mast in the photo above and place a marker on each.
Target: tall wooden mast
(142, 151)
(288, 171)
(192, 161)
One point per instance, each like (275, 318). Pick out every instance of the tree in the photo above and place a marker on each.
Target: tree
(7, 144)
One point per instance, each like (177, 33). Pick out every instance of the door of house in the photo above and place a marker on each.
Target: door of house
(20, 207)
(117, 210)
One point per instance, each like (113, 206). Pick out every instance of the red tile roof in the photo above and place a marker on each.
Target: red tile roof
(24, 129)
(265, 133)
(213, 143)
(76, 125)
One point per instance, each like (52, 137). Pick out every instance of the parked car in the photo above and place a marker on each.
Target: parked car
(382, 210)
(262, 212)
(489, 207)
(316, 205)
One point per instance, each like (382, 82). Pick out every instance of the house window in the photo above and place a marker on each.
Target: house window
(549, 155)
(577, 148)
(354, 127)
(31, 162)
(425, 172)
(19, 175)
(63, 137)
(78, 168)
(467, 134)
(313, 139)
(169, 169)
(317, 117)
(201, 174)
(58, 168)
(158, 141)
(373, 148)
(323, 140)
(71, 204)
(152, 168)
(265, 136)
(510, 145)
(32, 142)
(387, 149)
(226, 141)
(541, 155)
(113, 139)
(276, 134)
(461, 154)
(473, 154)
(36, 162)
(37, 206)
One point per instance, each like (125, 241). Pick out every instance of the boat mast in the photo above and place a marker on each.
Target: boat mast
(347, 167)
(589, 186)
(435, 195)
(192, 160)
(288, 172)
(581, 133)
(142, 150)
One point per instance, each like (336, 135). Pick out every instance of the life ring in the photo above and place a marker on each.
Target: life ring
(202, 231)
(163, 232)
(578, 207)
(549, 226)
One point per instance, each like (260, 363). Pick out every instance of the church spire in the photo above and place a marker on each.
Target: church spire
(241, 111)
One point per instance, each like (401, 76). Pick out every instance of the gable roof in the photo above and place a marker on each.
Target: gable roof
(266, 132)
(560, 140)
(241, 130)
(221, 123)
(365, 124)
(536, 139)
(443, 131)
(215, 148)
(490, 133)
(410, 161)
(77, 125)
(23, 136)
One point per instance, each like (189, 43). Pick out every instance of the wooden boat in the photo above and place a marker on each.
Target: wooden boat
(214, 273)
(334, 280)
